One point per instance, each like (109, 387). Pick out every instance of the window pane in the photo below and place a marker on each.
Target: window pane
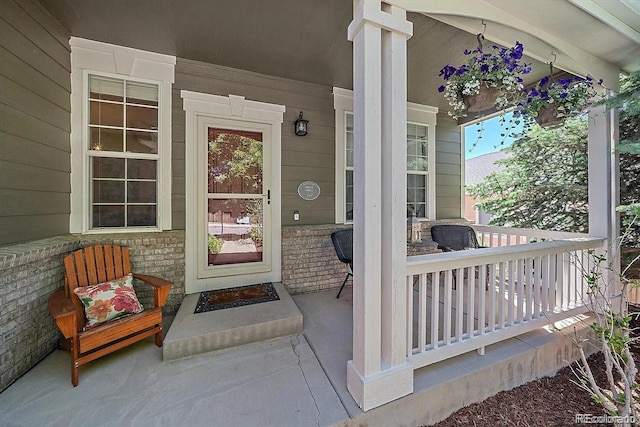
(416, 195)
(106, 114)
(142, 142)
(350, 143)
(349, 195)
(141, 192)
(106, 139)
(234, 231)
(107, 167)
(235, 162)
(106, 88)
(142, 117)
(108, 216)
(105, 191)
(138, 216)
(142, 93)
(141, 169)
(417, 148)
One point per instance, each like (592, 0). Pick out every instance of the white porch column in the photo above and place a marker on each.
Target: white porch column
(604, 185)
(379, 372)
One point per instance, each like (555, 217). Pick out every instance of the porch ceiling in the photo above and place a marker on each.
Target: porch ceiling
(307, 40)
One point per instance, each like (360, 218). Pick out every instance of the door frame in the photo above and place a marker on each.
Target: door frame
(201, 109)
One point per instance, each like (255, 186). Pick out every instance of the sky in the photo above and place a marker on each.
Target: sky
(490, 139)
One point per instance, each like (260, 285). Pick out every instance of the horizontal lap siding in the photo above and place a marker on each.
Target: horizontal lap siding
(448, 169)
(34, 131)
(309, 158)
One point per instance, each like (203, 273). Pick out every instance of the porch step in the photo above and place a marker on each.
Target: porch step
(192, 334)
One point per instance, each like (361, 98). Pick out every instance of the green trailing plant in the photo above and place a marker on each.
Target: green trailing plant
(215, 244)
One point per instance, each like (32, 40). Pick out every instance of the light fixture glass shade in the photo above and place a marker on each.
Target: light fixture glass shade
(301, 126)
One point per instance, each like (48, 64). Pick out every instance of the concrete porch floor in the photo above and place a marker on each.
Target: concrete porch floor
(297, 380)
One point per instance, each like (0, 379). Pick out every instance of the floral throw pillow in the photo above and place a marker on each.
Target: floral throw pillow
(109, 300)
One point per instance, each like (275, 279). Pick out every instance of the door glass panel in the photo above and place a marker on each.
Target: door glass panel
(235, 231)
(234, 162)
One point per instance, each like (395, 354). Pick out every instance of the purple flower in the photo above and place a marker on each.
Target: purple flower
(563, 95)
(441, 88)
(447, 71)
(533, 93)
(543, 81)
(484, 68)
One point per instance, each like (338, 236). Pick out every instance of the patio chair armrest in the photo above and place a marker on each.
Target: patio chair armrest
(161, 287)
(64, 312)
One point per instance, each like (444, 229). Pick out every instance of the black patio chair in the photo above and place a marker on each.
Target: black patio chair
(343, 244)
(454, 237)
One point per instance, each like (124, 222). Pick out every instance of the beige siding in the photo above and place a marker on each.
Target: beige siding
(448, 168)
(309, 158)
(34, 130)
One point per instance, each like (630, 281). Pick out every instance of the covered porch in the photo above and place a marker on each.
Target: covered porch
(296, 380)
(414, 328)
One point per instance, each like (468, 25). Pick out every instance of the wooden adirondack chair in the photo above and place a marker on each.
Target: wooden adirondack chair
(90, 266)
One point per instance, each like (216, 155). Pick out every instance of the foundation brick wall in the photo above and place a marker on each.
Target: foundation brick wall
(31, 272)
(309, 262)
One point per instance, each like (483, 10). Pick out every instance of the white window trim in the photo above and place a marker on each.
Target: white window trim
(423, 115)
(91, 57)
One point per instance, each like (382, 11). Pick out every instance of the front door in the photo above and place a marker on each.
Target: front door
(232, 198)
(235, 214)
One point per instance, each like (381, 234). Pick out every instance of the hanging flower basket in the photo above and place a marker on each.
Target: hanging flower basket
(552, 101)
(485, 99)
(548, 116)
(487, 79)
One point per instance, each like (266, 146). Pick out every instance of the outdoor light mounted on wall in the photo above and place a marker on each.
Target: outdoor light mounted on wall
(301, 125)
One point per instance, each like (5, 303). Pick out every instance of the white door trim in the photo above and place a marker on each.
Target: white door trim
(200, 106)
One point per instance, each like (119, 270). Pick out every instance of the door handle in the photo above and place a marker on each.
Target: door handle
(268, 197)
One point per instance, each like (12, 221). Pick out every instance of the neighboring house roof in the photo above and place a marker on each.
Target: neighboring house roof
(478, 168)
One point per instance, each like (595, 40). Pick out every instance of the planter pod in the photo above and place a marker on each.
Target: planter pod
(484, 100)
(548, 116)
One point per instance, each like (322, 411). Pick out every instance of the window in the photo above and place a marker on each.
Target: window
(420, 158)
(120, 138)
(122, 152)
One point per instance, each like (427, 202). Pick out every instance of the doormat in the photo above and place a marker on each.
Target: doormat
(236, 297)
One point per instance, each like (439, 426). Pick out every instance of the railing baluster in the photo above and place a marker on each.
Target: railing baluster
(546, 285)
(410, 315)
(422, 312)
(501, 292)
(435, 307)
(492, 299)
(471, 301)
(561, 281)
(529, 289)
(460, 302)
(510, 293)
(521, 297)
(482, 293)
(446, 321)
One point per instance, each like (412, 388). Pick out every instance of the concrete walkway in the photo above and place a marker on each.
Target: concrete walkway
(297, 380)
(273, 383)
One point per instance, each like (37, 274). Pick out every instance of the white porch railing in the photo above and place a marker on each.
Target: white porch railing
(463, 301)
(493, 237)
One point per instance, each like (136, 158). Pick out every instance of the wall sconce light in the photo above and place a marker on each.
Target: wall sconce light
(301, 125)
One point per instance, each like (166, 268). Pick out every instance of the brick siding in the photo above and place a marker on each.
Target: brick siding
(31, 272)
